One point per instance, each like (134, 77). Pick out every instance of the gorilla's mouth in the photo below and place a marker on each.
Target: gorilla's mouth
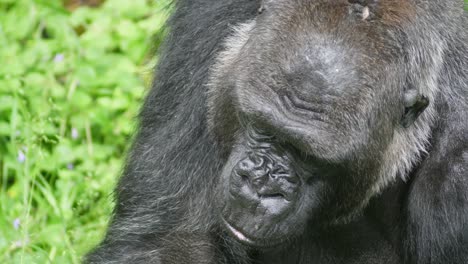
(252, 242)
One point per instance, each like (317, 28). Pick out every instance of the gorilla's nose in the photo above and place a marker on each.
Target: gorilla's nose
(266, 177)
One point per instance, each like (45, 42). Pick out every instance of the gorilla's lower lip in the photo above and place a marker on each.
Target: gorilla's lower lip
(245, 240)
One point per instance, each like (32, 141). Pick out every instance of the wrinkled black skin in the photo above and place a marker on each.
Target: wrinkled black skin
(167, 208)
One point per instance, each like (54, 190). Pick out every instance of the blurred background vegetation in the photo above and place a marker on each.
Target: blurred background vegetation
(72, 77)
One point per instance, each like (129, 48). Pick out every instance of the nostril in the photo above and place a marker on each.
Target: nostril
(244, 178)
(243, 175)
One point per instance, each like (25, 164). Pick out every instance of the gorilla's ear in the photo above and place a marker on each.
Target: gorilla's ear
(415, 104)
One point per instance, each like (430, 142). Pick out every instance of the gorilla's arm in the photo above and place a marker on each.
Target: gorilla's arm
(164, 197)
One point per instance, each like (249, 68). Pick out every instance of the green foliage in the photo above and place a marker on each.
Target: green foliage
(70, 87)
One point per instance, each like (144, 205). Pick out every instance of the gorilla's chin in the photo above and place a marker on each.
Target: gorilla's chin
(248, 240)
(259, 222)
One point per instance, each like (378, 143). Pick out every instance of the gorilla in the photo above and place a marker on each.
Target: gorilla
(300, 131)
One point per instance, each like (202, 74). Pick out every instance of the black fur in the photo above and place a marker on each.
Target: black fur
(167, 203)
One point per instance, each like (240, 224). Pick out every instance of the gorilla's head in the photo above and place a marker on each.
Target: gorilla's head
(314, 106)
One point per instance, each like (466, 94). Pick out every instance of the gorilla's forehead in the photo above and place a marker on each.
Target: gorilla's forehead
(312, 73)
(307, 72)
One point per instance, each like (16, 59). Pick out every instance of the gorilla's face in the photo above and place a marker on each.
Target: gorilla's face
(307, 102)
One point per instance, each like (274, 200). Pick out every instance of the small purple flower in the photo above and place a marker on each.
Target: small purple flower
(70, 166)
(21, 243)
(59, 58)
(18, 244)
(74, 133)
(21, 157)
(16, 223)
